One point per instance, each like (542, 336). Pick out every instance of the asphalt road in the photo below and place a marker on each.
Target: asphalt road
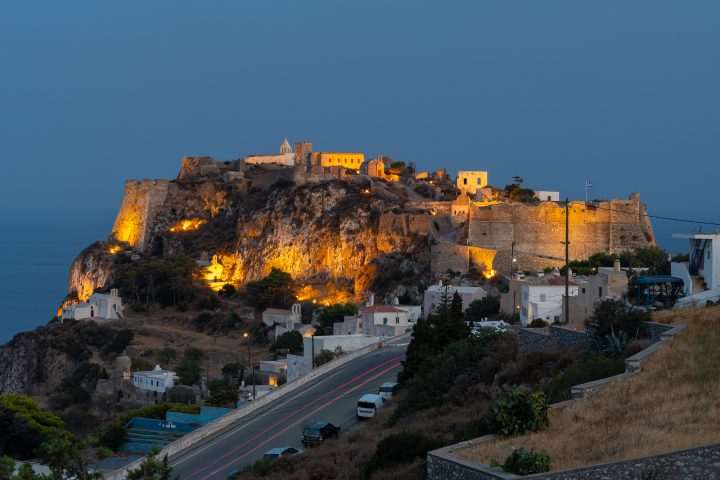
(331, 398)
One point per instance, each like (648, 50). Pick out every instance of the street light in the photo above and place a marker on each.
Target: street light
(250, 366)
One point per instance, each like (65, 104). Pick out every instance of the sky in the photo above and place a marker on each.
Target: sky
(626, 94)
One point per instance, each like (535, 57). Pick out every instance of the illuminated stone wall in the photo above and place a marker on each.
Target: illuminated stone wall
(609, 227)
(352, 161)
(141, 202)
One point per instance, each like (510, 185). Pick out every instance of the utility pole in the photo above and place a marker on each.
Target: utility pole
(567, 260)
(512, 259)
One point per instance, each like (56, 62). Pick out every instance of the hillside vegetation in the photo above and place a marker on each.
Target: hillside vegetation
(672, 404)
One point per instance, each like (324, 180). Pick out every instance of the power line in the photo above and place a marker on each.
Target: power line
(656, 216)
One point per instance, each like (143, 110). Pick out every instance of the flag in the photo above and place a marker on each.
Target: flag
(588, 184)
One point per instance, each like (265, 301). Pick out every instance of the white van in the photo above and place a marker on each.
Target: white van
(368, 405)
(386, 390)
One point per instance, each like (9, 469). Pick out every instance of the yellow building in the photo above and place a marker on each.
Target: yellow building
(471, 181)
(351, 161)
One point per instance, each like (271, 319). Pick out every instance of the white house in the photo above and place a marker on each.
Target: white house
(701, 274)
(545, 196)
(99, 305)
(286, 320)
(155, 380)
(434, 295)
(298, 365)
(543, 298)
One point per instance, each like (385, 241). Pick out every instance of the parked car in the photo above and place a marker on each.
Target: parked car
(275, 453)
(316, 432)
(387, 390)
(369, 404)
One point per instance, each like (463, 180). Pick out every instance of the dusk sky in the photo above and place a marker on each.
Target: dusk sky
(624, 93)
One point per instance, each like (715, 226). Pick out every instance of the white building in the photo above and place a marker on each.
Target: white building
(545, 196)
(471, 181)
(379, 320)
(286, 157)
(99, 305)
(298, 365)
(434, 295)
(543, 298)
(156, 380)
(701, 275)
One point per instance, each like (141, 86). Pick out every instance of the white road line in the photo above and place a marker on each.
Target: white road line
(238, 428)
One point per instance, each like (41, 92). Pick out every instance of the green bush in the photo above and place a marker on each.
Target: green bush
(526, 462)
(615, 316)
(398, 448)
(292, 341)
(538, 323)
(592, 368)
(334, 313)
(261, 468)
(517, 412)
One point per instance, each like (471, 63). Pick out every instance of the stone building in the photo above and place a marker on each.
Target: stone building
(610, 282)
(351, 161)
(303, 152)
(471, 181)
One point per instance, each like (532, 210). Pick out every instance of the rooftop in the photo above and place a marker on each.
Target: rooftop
(453, 288)
(381, 309)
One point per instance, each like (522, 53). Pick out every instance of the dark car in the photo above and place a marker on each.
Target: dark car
(275, 453)
(316, 432)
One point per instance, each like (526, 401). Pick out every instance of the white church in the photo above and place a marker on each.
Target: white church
(99, 305)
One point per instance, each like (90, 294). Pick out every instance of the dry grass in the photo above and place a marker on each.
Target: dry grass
(673, 403)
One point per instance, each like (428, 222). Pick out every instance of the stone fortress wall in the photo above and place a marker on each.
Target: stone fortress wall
(141, 202)
(610, 227)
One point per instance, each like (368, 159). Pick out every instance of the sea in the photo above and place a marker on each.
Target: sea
(36, 250)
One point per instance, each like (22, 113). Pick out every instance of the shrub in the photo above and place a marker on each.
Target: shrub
(614, 315)
(228, 290)
(518, 411)
(334, 313)
(292, 341)
(24, 426)
(323, 357)
(398, 448)
(538, 323)
(189, 370)
(592, 368)
(261, 468)
(483, 308)
(526, 462)
(209, 303)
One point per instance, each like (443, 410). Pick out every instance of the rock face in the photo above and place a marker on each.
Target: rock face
(91, 270)
(32, 365)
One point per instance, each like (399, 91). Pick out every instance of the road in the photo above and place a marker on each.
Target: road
(331, 398)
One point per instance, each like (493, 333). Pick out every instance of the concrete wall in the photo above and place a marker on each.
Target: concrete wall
(141, 202)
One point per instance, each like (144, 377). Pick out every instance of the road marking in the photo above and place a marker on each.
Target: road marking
(240, 427)
(344, 394)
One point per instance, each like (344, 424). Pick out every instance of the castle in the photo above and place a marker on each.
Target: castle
(475, 230)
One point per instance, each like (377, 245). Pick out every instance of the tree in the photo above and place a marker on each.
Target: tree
(152, 469)
(277, 289)
(292, 341)
(166, 356)
(334, 313)
(616, 316)
(232, 371)
(25, 426)
(67, 459)
(486, 307)
(430, 335)
(189, 370)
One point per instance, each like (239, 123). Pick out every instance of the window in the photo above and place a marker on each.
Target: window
(384, 320)
(599, 291)
(583, 290)
(464, 181)
(397, 320)
(543, 297)
(479, 181)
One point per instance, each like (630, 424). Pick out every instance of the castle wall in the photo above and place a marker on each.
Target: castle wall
(609, 227)
(141, 202)
(449, 256)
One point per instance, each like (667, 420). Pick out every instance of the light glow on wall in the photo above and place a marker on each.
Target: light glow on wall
(187, 225)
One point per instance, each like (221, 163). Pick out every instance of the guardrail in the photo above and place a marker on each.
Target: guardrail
(219, 424)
